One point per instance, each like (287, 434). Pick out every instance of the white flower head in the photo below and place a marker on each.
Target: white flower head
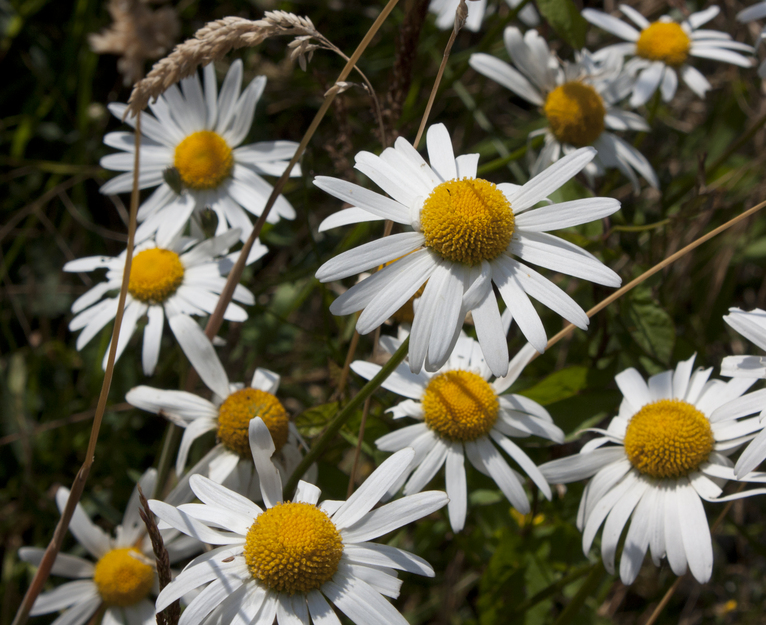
(190, 151)
(229, 413)
(183, 277)
(462, 414)
(286, 561)
(124, 576)
(445, 13)
(467, 234)
(578, 99)
(660, 50)
(670, 442)
(751, 325)
(750, 14)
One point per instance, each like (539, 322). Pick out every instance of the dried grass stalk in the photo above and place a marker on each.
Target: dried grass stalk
(216, 39)
(171, 614)
(137, 33)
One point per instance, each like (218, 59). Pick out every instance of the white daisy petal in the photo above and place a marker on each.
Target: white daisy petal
(379, 205)
(64, 565)
(361, 603)
(456, 486)
(64, 596)
(80, 613)
(320, 610)
(505, 75)
(440, 152)
(373, 554)
(394, 515)
(373, 489)
(200, 352)
(262, 447)
(89, 535)
(611, 24)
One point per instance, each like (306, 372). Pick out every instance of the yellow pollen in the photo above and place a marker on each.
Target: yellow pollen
(293, 547)
(668, 438)
(575, 113)
(664, 41)
(203, 160)
(155, 275)
(460, 406)
(467, 221)
(240, 408)
(122, 578)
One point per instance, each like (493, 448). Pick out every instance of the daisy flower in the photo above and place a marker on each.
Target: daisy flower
(124, 576)
(661, 49)
(229, 413)
(461, 413)
(751, 325)
(185, 276)
(286, 561)
(466, 234)
(191, 149)
(445, 13)
(670, 442)
(578, 99)
(750, 14)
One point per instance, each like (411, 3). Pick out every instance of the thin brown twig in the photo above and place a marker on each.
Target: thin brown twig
(460, 16)
(215, 320)
(46, 564)
(658, 267)
(171, 614)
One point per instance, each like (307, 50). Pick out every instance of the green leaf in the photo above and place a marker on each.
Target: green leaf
(650, 327)
(559, 385)
(313, 420)
(565, 19)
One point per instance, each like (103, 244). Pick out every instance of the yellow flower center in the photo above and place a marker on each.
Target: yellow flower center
(203, 160)
(293, 547)
(467, 221)
(664, 41)
(575, 113)
(460, 406)
(155, 274)
(240, 408)
(668, 438)
(122, 577)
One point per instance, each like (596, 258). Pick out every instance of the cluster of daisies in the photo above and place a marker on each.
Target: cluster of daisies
(459, 242)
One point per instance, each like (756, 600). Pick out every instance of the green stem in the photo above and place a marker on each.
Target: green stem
(551, 590)
(344, 415)
(169, 446)
(513, 156)
(586, 590)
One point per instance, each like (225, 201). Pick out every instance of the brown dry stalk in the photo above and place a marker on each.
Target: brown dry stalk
(46, 564)
(460, 17)
(171, 614)
(211, 43)
(650, 272)
(214, 323)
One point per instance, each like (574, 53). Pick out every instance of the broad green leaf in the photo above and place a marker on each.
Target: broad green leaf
(650, 327)
(564, 17)
(559, 385)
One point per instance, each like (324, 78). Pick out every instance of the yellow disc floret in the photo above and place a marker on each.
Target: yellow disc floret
(664, 41)
(123, 577)
(293, 547)
(467, 221)
(155, 275)
(668, 438)
(203, 160)
(575, 113)
(460, 406)
(240, 408)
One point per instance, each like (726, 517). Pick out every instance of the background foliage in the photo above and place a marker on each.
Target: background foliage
(503, 568)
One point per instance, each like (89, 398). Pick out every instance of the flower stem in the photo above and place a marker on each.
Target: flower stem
(344, 415)
(78, 486)
(586, 590)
